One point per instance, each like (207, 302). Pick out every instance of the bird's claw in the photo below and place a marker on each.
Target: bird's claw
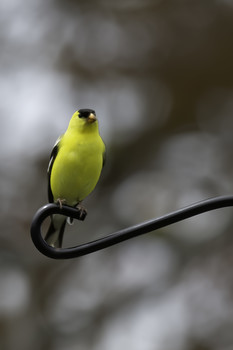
(60, 202)
(82, 212)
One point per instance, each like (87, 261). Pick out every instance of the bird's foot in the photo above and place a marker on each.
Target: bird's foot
(82, 212)
(60, 202)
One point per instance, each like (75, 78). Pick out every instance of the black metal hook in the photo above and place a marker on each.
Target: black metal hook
(119, 236)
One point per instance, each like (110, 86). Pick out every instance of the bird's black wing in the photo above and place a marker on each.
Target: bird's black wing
(49, 170)
(104, 157)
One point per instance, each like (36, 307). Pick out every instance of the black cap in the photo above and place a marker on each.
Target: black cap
(84, 113)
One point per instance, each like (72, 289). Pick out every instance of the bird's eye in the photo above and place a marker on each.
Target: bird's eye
(84, 113)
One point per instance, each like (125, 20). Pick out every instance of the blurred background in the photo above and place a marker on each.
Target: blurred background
(159, 74)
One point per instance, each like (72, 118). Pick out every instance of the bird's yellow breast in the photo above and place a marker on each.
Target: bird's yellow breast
(77, 167)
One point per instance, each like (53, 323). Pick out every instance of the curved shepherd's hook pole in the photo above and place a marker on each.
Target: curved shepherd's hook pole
(119, 236)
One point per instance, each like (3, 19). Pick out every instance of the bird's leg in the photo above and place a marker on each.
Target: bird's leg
(60, 202)
(82, 214)
(82, 211)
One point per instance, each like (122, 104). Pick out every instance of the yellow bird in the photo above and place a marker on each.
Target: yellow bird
(74, 168)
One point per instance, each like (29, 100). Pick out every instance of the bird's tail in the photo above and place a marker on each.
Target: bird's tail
(54, 235)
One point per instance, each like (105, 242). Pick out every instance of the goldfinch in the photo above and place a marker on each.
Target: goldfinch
(74, 168)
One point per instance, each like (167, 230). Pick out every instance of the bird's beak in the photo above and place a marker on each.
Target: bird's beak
(91, 118)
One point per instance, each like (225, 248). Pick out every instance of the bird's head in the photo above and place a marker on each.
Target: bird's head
(87, 115)
(84, 120)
